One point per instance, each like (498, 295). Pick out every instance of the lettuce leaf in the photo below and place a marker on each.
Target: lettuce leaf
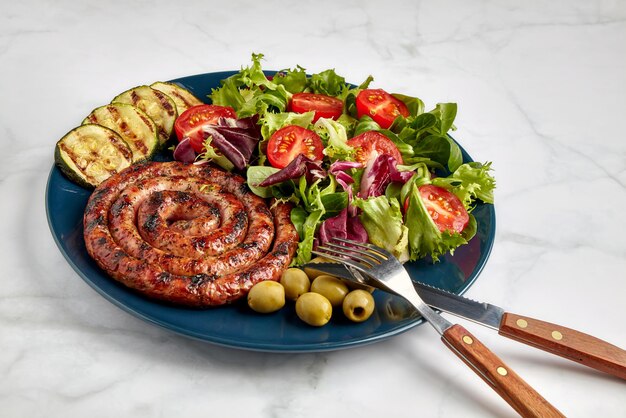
(445, 114)
(250, 92)
(335, 139)
(469, 182)
(317, 203)
(294, 80)
(422, 139)
(272, 122)
(213, 155)
(328, 83)
(414, 104)
(349, 96)
(426, 136)
(439, 149)
(365, 124)
(255, 175)
(307, 229)
(382, 219)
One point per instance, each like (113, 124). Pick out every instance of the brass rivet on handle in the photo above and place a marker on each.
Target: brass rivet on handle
(521, 323)
(502, 371)
(467, 339)
(557, 335)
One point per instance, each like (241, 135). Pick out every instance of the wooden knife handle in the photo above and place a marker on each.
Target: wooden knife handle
(565, 342)
(512, 388)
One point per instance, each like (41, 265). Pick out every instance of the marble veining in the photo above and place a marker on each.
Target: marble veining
(541, 88)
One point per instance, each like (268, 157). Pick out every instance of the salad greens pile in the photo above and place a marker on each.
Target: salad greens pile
(338, 197)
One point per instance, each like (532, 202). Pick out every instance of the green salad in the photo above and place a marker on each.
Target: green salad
(356, 161)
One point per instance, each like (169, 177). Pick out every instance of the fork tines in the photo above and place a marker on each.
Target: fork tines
(362, 256)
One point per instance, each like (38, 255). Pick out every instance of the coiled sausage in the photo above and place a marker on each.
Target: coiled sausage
(189, 234)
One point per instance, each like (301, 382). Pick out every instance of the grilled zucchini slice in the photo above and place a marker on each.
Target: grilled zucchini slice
(135, 127)
(156, 104)
(90, 154)
(183, 98)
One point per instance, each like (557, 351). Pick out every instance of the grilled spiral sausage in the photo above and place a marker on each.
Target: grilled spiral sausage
(189, 234)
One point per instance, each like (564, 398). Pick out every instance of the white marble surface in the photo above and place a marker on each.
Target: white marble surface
(541, 88)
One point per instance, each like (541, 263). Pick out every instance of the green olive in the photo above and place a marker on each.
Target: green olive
(331, 287)
(358, 305)
(313, 273)
(267, 296)
(295, 282)
(314, 309)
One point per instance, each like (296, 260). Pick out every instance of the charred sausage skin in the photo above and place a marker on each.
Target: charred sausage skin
(152, 228)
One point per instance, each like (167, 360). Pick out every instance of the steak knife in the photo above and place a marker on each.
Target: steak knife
(556, 339)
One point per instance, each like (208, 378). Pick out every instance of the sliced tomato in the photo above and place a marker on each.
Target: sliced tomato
(444, 208)
(289, 142)
(189, 123)
(380, 106)
(324, 106)
(370, 144)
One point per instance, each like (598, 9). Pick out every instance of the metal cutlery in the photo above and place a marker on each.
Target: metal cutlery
(384, 271)
(556, 339)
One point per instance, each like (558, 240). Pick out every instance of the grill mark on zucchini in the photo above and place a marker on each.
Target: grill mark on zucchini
(91, 153)
(182, 97)
(157, 105)
(132, 124)
(74, 157)
(134, 97)
(167, 105)
(126, 130)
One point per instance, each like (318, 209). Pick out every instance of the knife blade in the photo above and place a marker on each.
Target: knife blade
(556, 339)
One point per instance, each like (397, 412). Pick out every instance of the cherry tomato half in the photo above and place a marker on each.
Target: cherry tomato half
(371, 144)
(380, 106)
(444, 208)
(323, 105)
(190, 122)
(289, 142)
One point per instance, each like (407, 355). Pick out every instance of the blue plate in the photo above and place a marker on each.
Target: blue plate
(236, 325)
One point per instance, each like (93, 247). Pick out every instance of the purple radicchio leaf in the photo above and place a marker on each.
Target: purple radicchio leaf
(301, 165)
(250, 124)
(342, 226)
(236, 139)
(345, 180)
(343, 165)
(379, 173)
(184, 152)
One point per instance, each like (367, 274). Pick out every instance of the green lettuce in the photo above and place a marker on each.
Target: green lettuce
(314, 203)
(255, 175)
(382, 219)
(328, 83)
(414, 104)
(335, 138)
(211, 154)
(469, 182)
(422, 139)
(317, 203)
(307, 225)
(294, 80)
(250, 92)
(427, 136)
(272, 122)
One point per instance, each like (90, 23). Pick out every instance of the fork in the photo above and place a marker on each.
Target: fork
(382, 270)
